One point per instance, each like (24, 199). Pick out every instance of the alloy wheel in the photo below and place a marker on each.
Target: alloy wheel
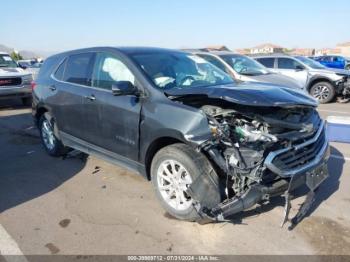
(321, 92)
(48, 135)
(173, 180)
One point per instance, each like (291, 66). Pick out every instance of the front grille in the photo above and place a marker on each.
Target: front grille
(10, 81)
(297, 158)
(301, 157)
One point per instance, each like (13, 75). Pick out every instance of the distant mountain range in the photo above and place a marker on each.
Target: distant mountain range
(26, 54)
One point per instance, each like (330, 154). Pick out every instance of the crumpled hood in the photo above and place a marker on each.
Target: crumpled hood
(251, 94)
(8, 72)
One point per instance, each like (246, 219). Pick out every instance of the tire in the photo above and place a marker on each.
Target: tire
(195, 165)
(27, 101)
(324, 92)
(50, 141)
(347, 67)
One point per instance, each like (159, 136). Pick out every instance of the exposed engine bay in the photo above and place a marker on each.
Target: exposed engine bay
(243, 139)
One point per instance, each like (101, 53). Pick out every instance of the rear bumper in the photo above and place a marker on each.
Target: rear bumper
(15, 91)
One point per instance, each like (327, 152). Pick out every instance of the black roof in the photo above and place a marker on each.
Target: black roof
(145, 50)
(123, 49)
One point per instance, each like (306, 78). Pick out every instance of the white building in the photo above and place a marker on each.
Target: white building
(266, 49)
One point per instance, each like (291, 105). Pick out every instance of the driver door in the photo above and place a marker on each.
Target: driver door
(112, 121)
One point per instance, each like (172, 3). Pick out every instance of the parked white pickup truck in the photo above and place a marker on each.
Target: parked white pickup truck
(14, 81)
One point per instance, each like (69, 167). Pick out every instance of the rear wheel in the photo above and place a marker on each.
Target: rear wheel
(50, 141)
(324, 92)
(174, 168)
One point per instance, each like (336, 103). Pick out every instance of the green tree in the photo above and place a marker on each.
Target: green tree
(16, 56)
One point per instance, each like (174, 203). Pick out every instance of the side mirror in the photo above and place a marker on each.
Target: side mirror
(124, 88)
(299, 68)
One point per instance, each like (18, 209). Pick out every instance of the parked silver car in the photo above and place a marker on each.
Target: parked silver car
(244, 68)
(321, 82)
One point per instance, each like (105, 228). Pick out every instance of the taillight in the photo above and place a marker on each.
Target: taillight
(33, 85)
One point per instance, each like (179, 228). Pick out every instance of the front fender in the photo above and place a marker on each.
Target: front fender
(174, 120)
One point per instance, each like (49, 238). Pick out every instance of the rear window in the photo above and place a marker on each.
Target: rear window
(78, 69)
(48, 68)
(267, 62)
(60, 70)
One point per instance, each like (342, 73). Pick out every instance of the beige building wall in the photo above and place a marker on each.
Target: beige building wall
(344, 48)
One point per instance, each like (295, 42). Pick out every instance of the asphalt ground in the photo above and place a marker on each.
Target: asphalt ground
(87, 206)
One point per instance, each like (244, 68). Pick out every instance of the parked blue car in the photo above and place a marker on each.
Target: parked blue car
(334, 61)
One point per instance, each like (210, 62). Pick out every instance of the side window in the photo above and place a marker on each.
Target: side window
(287, 63)
(108, 70)
(267, 62)
(339, 59)
(78, 69)
(60, 70)
(215, 62)
(327, 59)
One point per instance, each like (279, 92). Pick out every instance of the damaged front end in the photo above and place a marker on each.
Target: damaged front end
(343, 88)
(260, 152)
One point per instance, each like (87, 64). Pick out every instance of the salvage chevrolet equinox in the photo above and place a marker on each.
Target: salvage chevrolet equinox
(210, 146)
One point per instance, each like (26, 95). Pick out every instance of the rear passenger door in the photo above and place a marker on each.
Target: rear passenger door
(73, 77)
(292, 68)
(112, 121)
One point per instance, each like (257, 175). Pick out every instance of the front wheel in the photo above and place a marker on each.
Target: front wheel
(50, 141)
(174, 168)
(324, 92)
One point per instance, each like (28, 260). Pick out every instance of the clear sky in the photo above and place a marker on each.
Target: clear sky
(67, 24)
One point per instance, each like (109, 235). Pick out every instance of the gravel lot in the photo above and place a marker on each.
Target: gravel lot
(87, 206)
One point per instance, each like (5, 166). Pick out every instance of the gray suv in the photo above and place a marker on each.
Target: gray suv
(244, 68)
(321, 82)
(211, 147)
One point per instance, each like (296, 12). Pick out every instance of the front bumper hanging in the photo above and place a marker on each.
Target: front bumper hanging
(311, 177)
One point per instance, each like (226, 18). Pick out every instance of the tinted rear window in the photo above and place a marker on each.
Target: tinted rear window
(48, 67)
(60, 70)
(78, 69)
(267, 62)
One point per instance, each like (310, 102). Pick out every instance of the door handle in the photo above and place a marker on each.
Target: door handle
(52, 88)
(91, 98)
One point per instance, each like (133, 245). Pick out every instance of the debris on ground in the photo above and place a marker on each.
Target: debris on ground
(64, 223)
